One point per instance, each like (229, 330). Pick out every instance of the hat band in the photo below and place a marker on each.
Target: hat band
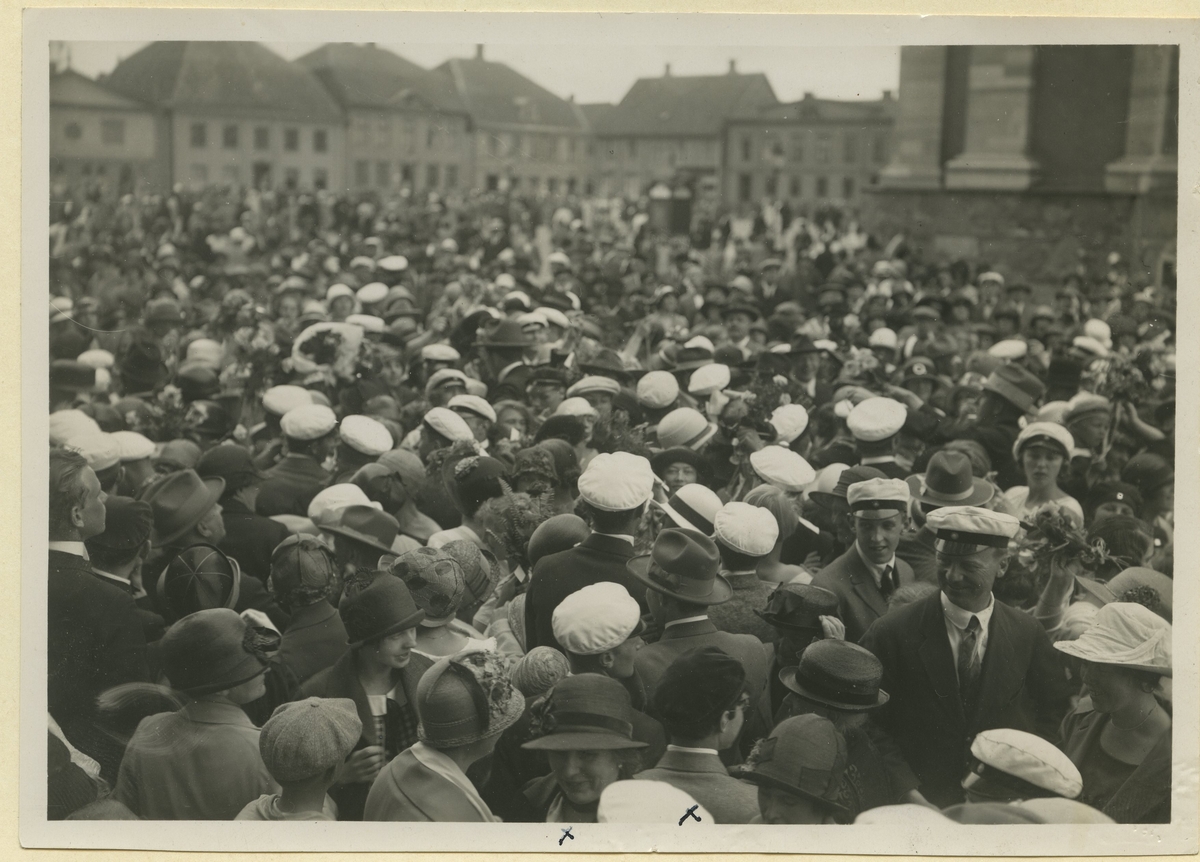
(959, 537)
(954, 497)
(878, 505)
(692, 441)
(585, 722)
(1011, 392)
(698, 588)
(693, 517)
(855, 695)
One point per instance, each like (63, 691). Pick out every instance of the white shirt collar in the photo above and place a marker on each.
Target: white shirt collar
(120, 578)
(688, 750)
(961, 618)
(875, 569)
(79, 549)
(627, 538)
(684, 621)
(877, 459)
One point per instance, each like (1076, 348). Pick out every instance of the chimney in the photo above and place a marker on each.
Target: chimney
(808, 96)
(733, 67)
(370, 44)
(478, 52)
(887, 95)
(667, 71)
(571, 98)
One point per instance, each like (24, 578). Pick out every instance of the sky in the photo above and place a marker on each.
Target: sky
(603, 73)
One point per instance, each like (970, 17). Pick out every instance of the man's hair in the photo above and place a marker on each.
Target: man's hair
(66, 488)
(109, 476)
(872, 448)
(735, 561)
(586, 664)
(306, 447)
(612, 522)
(568, 428)
(110, 558)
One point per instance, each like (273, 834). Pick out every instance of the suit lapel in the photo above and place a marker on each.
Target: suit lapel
(938, 659)
(999, 672)
(864, 584)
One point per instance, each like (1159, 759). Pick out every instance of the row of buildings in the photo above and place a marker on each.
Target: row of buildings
(357, 117)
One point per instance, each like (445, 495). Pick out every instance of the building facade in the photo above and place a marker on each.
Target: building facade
(525, 138)
(102, 140)
(809, 151)
(1074, 146)
(237, 114)
(670, 129)
(406, 128)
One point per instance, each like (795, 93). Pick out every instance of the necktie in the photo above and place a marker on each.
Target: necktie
(968, 662)
(887, 581)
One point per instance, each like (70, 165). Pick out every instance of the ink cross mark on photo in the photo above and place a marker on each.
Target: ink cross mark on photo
(691, 812)
(566, 833)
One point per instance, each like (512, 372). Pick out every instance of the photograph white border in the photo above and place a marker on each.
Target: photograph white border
(40, 26)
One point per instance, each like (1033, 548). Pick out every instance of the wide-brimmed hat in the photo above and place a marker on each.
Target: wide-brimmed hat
(1126, 635)
(685, 565)
(465, 698)
(436, 581)
(799, 607)
(1136, 584)
(366, 525)
(806, 756)
(839, 674)
(507, 333)
(209, 651)
(383, 608)
(179, 502)
(585, 712)
(948, 481)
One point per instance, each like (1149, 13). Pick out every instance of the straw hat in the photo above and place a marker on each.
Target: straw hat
(1126, 635)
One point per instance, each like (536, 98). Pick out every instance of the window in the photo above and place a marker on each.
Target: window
(198, 173)
(291, 177)
(571, 148)
(744, 187)
(492, 183)
(571, 185)
(112, 131)
(822, 186)
(383, 173)
(534, 182)
(362, 173)
(431, 137)
(552, 185)
(262, 137)
(229, 137)
(881, 146)
(824, 148)
(746, 150)
(798, 148)
(199, 135)
(291, 140)
(850, 148)
(848, 187)
(771, 185)
(514, 183)
(407, 173)
(408, 135)
(432, 173)
(320, 141)
(262, 175)
(777, 149)
(451, 176)
(589, 188)
(73, 131)
(795, 187)
(320, 178)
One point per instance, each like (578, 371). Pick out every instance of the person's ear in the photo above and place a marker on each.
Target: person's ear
(1003, 567)
(77, 516)
(607, 659)
(726, 719)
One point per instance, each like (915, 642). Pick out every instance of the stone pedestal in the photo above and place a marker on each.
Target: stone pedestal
(1000, 90)
(1151, 140)
(917, 135)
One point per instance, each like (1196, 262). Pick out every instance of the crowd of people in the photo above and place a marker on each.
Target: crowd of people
(486, 509)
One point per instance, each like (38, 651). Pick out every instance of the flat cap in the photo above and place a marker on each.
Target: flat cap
(1044, 432)
(394, 263)
(366, 435)
(684, 426)
(328, 502)
(789, 422)
(65, 424)
(964, 530)
(1010, 349)
(1027, 757)
(337, 290)
(708, 379)
(876, 419)
(280, 399)
(746, 529)
(1083, 404)
(99, 448)
(576, 406)
(304, 738)
(474, 404)
(133, 446)
(880, 498)
(439, 353)
(96, 359)
(308, 422)
(883, 337)
(617, 481)
(593, 383)
(443, 376)
(373, 292)
(783, 468)
(596, 619)
(448, 424)
(657, 389)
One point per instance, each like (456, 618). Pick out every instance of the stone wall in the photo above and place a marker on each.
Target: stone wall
(1031, 236)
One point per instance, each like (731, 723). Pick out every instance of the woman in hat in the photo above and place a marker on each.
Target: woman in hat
(438, 587)
(800, 770)
(464, 702)
(770, 568)
(1120, 733)
(585, 726)
(1041, 451)
(381, 621)
(678, 467)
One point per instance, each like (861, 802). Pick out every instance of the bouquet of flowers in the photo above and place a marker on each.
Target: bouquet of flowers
(1054, 536)
(1117, 378)
(329, 348)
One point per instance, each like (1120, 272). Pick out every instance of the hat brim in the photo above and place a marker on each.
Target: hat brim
(361, 538)
(1096, 589)
(639, 567)
(582, 741)
(775, 622)
(249, 668)
(787, 676)
(981, 492)
(1071, 648)
(660, 461)
(680, 520)
(759, 778)
(409, 622)
(214, 488)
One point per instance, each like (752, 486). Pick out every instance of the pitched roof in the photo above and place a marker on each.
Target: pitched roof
(812, 109)
(232, 77)
(596, 113)
(366, 76)
(496, 93)
(70, 89)
(690, 105)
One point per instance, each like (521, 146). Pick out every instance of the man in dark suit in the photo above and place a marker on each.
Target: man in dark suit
(249, 537)
(616, 488)
(959, 662)
(94, 638)
(681, 574)
(292, 483)
(866, 575)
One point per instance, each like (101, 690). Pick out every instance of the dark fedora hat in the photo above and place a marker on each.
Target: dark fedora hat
(207, 651)
(948, 482)
(179, 502)
(200, 576)
(685, 565)
(72, 376)
(230, 462)
(839, 674)
(691, 358)
(606, 363)
(368, 526)
(507, 333)
(797, 607)
(1016, 386)
(585, 712)
(384, 607)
